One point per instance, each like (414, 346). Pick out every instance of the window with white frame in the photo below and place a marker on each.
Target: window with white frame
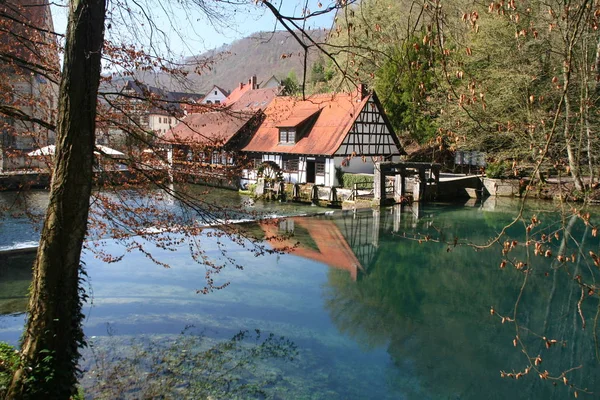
(287, 135)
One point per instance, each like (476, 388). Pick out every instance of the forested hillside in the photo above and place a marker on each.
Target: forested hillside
(262, 54)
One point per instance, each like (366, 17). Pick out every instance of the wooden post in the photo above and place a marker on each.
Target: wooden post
(375, 233)
(436, 174)
(379, 183)
(333, 199)
(417, 213)
(417, 189)
(315, 194)
(423, 186)
(400, 185)
(397, 214)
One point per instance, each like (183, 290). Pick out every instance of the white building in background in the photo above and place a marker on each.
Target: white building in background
(216, 95)
(271, 82)
(161, 122)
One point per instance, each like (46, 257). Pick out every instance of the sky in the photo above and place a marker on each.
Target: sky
(187, 32)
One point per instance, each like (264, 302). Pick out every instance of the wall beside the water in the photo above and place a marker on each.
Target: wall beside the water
(502, 187)
(12, 181)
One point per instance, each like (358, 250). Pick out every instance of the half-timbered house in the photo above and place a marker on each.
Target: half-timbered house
(311, 139)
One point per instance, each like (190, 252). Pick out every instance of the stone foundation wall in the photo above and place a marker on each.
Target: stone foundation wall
(501, 187)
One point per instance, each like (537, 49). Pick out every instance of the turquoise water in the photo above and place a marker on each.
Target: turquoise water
(368, 305)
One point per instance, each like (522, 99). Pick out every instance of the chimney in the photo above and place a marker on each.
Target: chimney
(253, 82)
(363, 90)
(241, 85)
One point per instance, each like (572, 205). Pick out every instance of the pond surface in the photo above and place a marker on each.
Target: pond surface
(368, 305)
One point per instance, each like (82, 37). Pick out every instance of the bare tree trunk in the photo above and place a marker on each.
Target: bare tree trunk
(584, 114)
(572, 158)
(53, 335)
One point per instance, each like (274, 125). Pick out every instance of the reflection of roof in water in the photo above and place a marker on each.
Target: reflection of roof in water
(317, 239)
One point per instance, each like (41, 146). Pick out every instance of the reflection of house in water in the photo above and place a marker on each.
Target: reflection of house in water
(348, 241)
(318, 239)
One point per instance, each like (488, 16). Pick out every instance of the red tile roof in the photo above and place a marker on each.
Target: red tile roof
(219, 126)
(236, 94)
(337, 115)
(297, 117)
(257, 99)
(212, 128)
(240, 90)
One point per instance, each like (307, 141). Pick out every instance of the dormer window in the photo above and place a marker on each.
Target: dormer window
(296, 125)
(287, 135)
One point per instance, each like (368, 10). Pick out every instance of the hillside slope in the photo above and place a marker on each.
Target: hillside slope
(262, 54)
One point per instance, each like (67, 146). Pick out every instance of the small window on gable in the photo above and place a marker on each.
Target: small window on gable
(287, 135)
(215, 92)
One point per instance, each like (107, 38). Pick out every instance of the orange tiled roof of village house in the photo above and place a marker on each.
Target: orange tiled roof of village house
(240, 90)
(337, 113)
(255, 99)
(212, 127)
(219, 125)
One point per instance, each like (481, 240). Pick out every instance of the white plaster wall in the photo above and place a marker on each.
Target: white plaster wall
(212, 97)
(302, 167)
(330, 172)
(161, 127)
(271, 83)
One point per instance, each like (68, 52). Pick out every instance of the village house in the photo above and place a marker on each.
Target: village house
(240, 90)
(310, 140)
(188, 101)
(215, 95)
(214, 137)
(271, 82)
(135, 106)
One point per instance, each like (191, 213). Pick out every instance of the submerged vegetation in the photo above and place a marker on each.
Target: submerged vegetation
(187, 366)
